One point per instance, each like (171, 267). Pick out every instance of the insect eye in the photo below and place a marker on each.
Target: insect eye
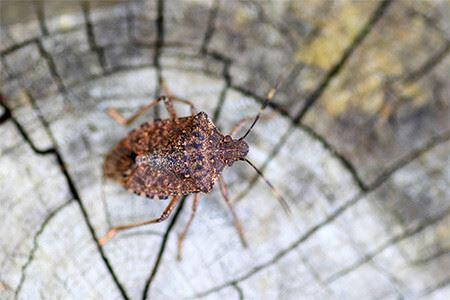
(227, 139)
(141, 159)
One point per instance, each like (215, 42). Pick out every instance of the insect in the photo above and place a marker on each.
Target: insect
(178, 156)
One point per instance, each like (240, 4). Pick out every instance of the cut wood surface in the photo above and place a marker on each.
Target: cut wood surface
(357, 141)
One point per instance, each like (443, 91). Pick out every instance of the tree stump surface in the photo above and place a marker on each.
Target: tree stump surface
(358, 143)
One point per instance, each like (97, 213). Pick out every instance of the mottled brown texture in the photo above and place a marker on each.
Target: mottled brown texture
(173, 157)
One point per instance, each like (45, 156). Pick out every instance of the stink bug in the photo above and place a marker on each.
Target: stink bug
(177, 156)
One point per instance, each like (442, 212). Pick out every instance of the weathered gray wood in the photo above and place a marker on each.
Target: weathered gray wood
(364, 167)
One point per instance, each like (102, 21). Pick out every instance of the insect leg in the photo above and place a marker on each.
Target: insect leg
(167, 98)
(169, 106)
(113, 113)
(166, 213)
(167, 92)
(187, 102)
(237, 223)
(182, 235)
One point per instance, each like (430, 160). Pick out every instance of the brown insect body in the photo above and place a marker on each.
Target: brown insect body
(173, 157)
(176, 157)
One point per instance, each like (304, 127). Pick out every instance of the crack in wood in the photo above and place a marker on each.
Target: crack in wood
(335, 70)
(158, 47)
(16, 47)
(284, 251)
(223, 93)
(440, 285)
(408, 158)
(313, 134)
(428, 65)
(33, 250)
(6, 114)
(346, 163)
(417, 228)
(73, 191)
(39, 9)
(162, 248)
(339, 211)
(431, 257)
(365, 188)
(239, 291)
(157, 63)
(22, 130)
(98, 50)
(398, 285)
(210, 28)
(284, 31)
(226, 65)
(52, 67)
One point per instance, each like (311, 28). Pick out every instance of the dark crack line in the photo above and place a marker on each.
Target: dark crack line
(16, 47)
(314, 274)
(220, 103)
(379, 12)
(86, 7)
(52, 67)
(285, 251)
(428, 65)
(160, 33)
(396, 283)
(273, 105)
(33, 250)
(283, 30)
(159, 81)
(427, 259)
(129, 22)
(39, 8)
(63, 91)
(335, 153)
(219, 57)
(25, 43)
(73, 191)
(239, 291)
(162, 248)
(429, 22)
(436, 287)
(335, 70)
(157, 62)
(223, 93)
(210, 27)
(392, 241)
(22, 130)
(328, 220)
(226, 64)
(159, 45)
(433, 142)
(6, 114)
(76, 195)
(313, 134)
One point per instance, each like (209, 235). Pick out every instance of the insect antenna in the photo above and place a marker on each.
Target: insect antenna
(276, 193)
(268, 98)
